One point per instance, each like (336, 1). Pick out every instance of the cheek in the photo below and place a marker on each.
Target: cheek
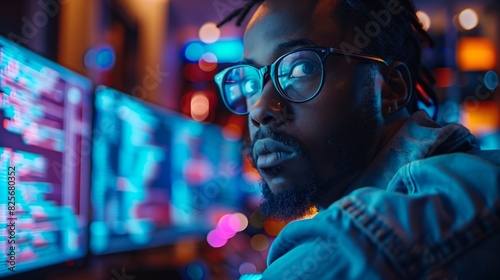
(325, 118)
(333, 105)
(317, 125)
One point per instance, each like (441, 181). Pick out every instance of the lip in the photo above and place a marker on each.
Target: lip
(270, 153)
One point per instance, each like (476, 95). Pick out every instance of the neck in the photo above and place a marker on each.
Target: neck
(392, 124)
(338, 191)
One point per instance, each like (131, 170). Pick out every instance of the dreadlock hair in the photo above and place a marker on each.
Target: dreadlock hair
(401, 40)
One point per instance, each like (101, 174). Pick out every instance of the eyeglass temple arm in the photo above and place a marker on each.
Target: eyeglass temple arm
(358, 55)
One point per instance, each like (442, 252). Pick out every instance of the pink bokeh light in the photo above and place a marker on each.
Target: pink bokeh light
(229, 224)
(215, 240)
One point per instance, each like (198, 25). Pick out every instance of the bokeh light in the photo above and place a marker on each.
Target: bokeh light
(480, 118)
(227, 227)
(100, 57)
(491, 80)
(200, 107)
(468, 19)
(224, 234)
(247, 268)
(105, 58)
(476, 54)
(425, 20)
(195, 272)
(243, 221)
(208, 62)
(229, 224)
(215, 240)
(194, 51)
(209, 33)
(259, 242)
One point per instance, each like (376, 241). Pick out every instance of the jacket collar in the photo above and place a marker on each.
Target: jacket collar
(420, 137)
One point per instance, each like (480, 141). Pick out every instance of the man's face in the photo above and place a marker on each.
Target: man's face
(304, 150)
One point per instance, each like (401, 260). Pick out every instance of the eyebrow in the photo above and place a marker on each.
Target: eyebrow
(283, 47)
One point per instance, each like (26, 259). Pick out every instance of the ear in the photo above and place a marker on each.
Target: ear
(397, 88)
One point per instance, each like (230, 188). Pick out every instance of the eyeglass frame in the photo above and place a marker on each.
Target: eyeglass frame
(269, 71)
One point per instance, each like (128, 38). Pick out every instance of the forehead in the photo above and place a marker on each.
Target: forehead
(278, 22)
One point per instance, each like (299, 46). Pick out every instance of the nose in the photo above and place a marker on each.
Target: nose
(270, 109)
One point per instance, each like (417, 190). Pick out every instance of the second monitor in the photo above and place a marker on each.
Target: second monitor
(157, 176)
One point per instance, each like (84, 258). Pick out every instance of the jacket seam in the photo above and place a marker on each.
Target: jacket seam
(376, 230)
(460, 241)
(411, 260)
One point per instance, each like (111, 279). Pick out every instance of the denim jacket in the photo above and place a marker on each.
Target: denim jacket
(427, 207)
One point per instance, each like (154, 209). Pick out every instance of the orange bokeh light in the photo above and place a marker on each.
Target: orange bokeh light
(476, 54)
(480, 117)
(208, 62)
(200, 106)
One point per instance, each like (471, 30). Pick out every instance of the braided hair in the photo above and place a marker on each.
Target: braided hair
(401, 40)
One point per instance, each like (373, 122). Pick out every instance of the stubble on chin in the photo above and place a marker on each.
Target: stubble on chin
(289, 204)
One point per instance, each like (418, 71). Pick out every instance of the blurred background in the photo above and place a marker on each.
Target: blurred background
(129, 166)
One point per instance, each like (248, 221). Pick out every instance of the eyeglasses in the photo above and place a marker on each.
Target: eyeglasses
(297, 75)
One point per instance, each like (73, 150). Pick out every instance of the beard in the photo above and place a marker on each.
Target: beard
(291, 203)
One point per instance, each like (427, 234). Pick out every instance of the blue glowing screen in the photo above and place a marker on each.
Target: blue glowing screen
(45, 120)
(156, 176)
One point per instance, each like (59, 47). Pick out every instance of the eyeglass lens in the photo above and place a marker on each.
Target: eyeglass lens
(298, 77)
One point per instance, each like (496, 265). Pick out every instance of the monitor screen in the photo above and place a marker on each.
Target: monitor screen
(156, 176)
(45, 125)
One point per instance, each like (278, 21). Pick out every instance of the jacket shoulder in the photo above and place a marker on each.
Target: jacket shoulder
(436, 219)
(478, 170)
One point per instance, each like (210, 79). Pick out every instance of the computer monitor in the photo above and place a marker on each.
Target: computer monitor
(45, 125)
(157, 176)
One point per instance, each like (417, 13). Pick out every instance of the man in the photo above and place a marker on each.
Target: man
(331, 89)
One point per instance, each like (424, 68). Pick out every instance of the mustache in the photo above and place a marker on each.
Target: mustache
(283, 138)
